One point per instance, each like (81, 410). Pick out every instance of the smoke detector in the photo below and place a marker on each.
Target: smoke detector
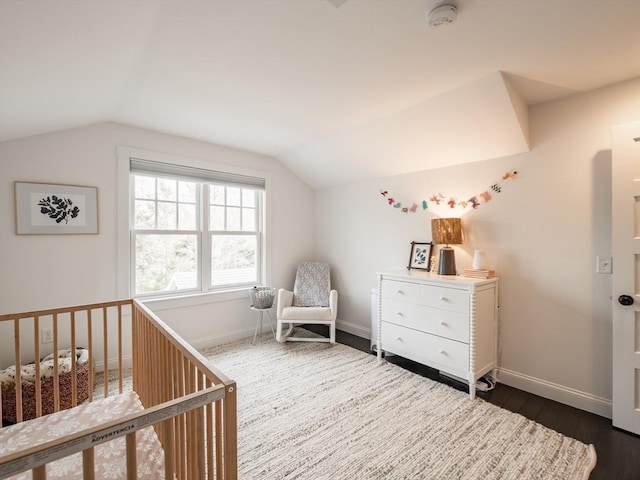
(443, 14)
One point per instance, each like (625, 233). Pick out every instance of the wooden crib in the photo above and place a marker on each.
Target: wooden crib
(188, 407)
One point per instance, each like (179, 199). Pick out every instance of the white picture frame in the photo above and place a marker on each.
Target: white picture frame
(54, 209)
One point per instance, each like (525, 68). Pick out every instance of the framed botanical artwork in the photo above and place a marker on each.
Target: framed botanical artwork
(420, 256)
(46, 208)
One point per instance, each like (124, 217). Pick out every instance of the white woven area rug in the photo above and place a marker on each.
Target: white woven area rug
(315, 411)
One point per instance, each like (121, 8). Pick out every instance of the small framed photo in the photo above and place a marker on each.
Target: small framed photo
(420, 256)
(45, 208)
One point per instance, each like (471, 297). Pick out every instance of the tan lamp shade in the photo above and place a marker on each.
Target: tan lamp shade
(446, 231)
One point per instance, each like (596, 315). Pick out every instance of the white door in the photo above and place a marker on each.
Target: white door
(626, 276)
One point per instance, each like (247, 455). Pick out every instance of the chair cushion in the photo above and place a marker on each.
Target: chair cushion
(306, 313)
(312, 285)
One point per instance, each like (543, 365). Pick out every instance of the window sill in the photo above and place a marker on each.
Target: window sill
(170, 303)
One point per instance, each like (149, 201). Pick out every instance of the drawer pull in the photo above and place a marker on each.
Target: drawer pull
(442, 352)
(399, 338)
(399, 292)
(443, 324)
(400, 314)
(444, 299)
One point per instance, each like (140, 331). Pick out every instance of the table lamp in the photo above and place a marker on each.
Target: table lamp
(446, 231)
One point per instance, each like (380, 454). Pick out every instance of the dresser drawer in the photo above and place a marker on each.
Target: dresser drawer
(445, 323)
(407, 291)
(437, 352)
(453, 299)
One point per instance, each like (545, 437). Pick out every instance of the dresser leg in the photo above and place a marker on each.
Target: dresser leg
(472, 390)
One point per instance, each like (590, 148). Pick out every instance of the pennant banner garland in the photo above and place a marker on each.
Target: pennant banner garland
(473, 202)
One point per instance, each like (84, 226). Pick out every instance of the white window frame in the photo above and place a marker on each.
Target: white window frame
(125, 245)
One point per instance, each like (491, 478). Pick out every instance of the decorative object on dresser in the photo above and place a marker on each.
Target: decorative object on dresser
(478, 273)
(479, 259)
(446, 231)
(447, 323)
(420, 256)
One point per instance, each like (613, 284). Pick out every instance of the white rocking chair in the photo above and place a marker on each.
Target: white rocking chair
(311, 302)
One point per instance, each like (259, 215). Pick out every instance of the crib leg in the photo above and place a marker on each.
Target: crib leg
(132, 467)
(40, 473)
(169, 433)
(88, 464)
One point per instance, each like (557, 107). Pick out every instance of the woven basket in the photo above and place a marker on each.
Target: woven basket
(262, 297)
(48, 405)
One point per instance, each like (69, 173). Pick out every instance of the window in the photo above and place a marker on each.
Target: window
(193, 230)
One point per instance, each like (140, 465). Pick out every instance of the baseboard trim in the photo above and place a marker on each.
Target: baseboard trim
(566, 395)
(227, 337)
(353, 329)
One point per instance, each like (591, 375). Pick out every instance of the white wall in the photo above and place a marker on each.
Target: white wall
(542, 234)
(46, 271)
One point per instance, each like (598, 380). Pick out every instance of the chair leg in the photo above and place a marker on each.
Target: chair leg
(332, 333)
(279, 330)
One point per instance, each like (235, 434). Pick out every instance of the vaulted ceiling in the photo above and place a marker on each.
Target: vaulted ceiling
(338, 91)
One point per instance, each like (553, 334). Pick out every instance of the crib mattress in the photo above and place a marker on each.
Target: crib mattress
(110, 457)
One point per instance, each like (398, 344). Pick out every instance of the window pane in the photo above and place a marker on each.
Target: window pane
(167, 216)
(187, 192)
(216, 221)
(167, 189)
(166, 262)
(248, 220)
(233, 259)
(248, 198)
(186, 216)
(145, 187)
(233, 196)
(233, 218)
(145, 214)
(217, 195)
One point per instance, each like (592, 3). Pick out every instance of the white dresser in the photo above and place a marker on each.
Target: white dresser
(446, 322)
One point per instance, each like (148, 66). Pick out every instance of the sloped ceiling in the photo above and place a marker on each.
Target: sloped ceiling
(338, 91)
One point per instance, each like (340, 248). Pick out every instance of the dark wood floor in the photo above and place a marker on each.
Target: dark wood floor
(618, 452)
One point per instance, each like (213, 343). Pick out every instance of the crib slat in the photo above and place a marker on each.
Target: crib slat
(90, 348)
(219, 444)
(74, 368)
(16, 334)
(56, 379)
(182, 420)
(120, 375)
(209, 433)
(105, 351)
(36, 351)
(200, 432)
(88, 464)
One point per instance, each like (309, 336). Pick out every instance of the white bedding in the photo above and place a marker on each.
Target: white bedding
(110, 458)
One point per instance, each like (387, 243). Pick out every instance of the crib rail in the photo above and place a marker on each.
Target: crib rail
(199, 439)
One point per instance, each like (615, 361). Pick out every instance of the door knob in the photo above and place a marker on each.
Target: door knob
(625, 300)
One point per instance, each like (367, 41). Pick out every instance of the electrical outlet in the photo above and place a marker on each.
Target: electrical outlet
(603, 264)
(46, 334)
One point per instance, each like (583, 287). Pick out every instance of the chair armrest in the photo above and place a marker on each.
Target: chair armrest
(285, 299)
(333, 304)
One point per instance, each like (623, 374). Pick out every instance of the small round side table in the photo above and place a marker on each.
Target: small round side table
(261, 312)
